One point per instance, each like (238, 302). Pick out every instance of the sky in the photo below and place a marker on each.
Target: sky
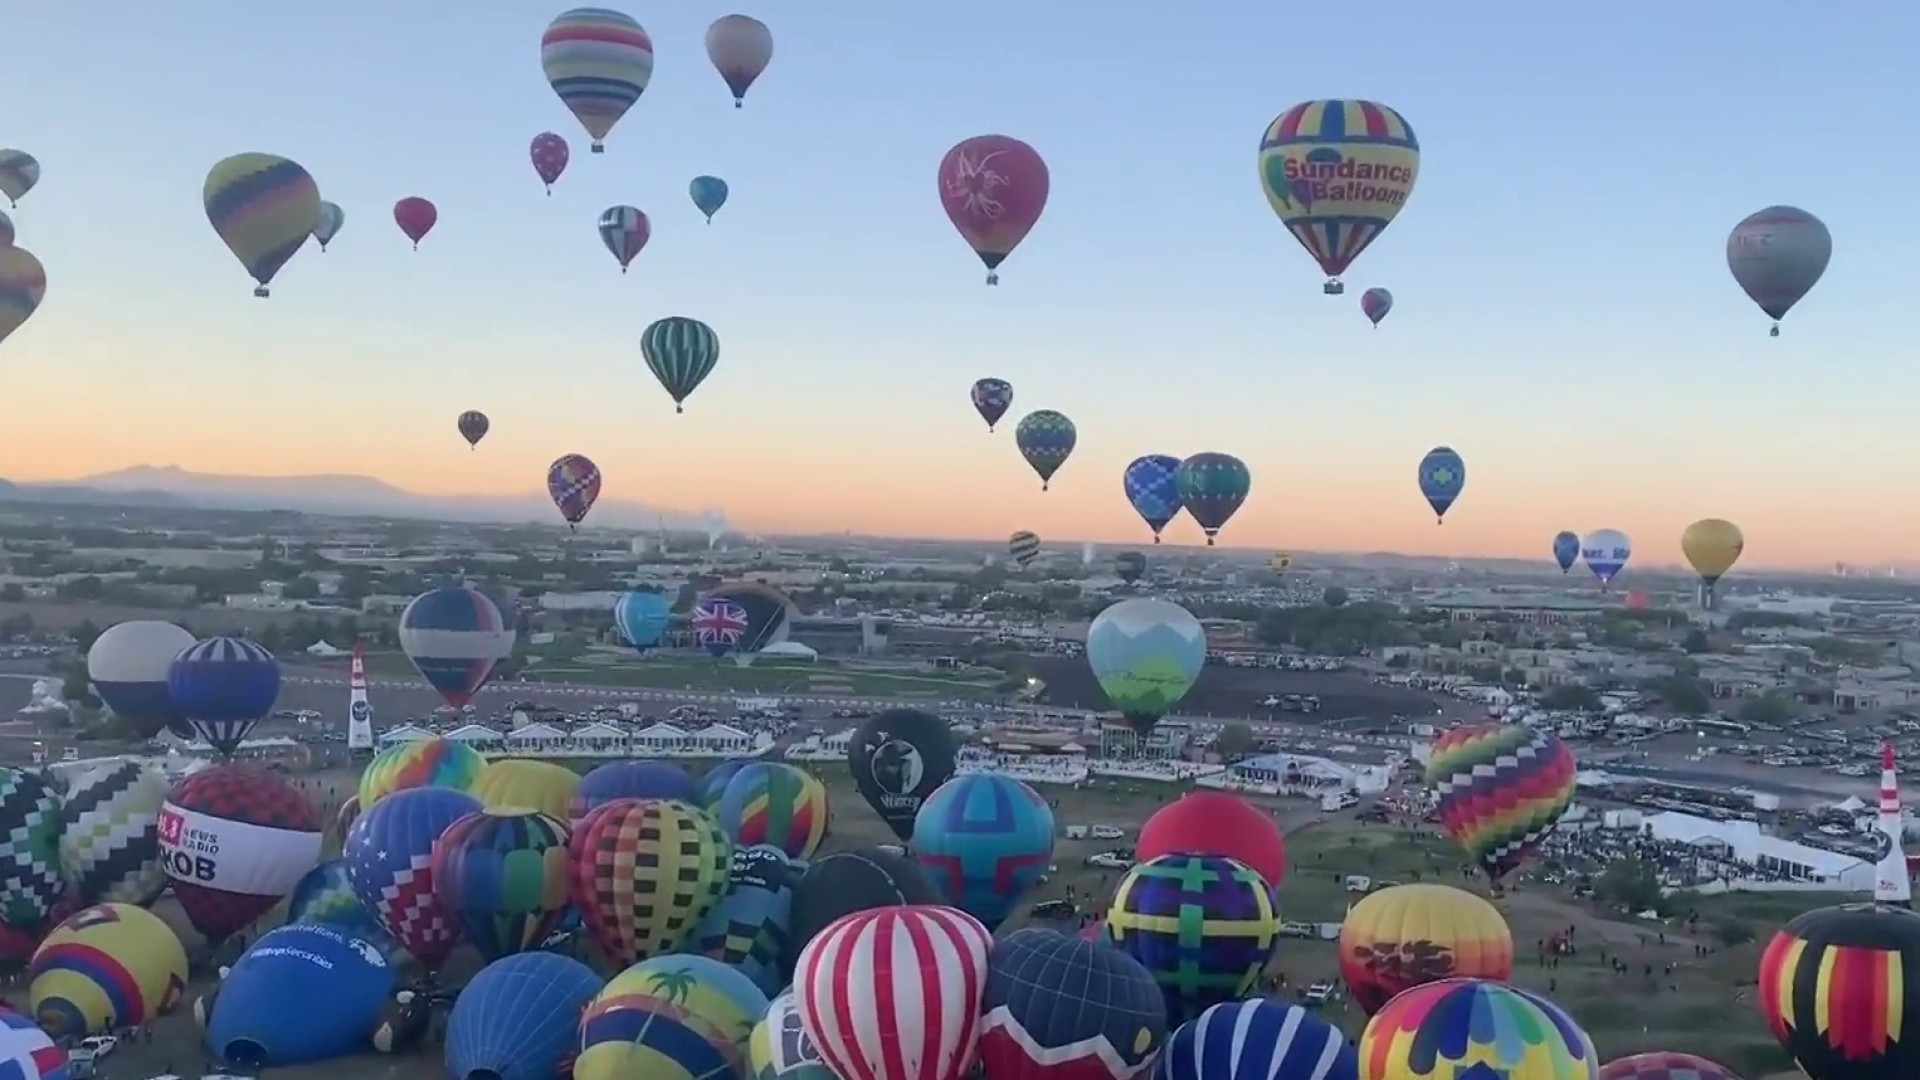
(1563, 314)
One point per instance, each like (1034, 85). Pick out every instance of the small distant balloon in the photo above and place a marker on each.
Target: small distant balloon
(23, 283)
(549, 153)
(1566, 549)
(994, 189)
(1777, 256)
(709, 194)
(1046, 439)
(573, 482)
(1375, 303)
(416, 217)
(991, 399)
(1606, 553)
(625, 231)
(262, 206)
(740, 47)
(1443, 476)
(681, 353)
(1024, 546)
(599, 62)
(473, 426)
(19, 171)
(328, 227)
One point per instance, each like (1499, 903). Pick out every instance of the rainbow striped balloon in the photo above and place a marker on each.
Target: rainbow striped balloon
(599, 62)
(1458, 1029)
(1502, 788)
(264, 207)
(775, 804)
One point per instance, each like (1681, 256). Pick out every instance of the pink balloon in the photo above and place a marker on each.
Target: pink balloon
(994, 189)
(415, 216)
(550, 155)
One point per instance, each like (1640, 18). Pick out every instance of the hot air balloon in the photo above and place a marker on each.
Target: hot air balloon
(106, 968)
(128, 666)
(1280, 563)
(1442, 476)
(416, 217)
(1409, 935)
(1374, 304)
(1664, 1065)
(6, 231)
(1334, 596)
(1152, 484)
(681, 353)
(110, 834)
(1059, 1008)
(573, 483)
(502, 875)
(631, 780)
(1212, 487)
(19, 172)
(991, 399)
(325, 895)
(845, 882)
(1501, 788)
(985, 840)
(1840, 988)
(740, 619)
(1204, 925)
(1337, 173)
(302, 993)
(331, 220)
(1216, 823)
(473, 425)
(435, 762)
(740, 48)
(23, 284)
(921, 970)
(777, 804)
(747, 929)
(1606, 553)
(641, 618)
(549, 153)
(389, 854)
(1045, 439)
(1259, 1040)
(1712, 546)
(454, 637)
(1566, 549)
(685, 1017)
(624, 230)
(527, 784)
(30, 880)
(1777, 256)
(1129, 565)
(645, 873)
(994, 189)
(781, 1049)
(264, 207)
(235, 840)
(599, 62)
(1146, 654)
(1463, 1029)
(899, 757)
(709, 194)
(518, 1019)
(1024, 546)
(224, 686)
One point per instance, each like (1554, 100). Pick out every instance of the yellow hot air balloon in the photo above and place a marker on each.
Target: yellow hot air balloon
(527, 785)
(1281, 562)
(1712, 545)
(264, 207)
(1337, 173)
(107, 967)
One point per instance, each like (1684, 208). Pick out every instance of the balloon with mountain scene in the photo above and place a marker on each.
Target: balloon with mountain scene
(1146, 653)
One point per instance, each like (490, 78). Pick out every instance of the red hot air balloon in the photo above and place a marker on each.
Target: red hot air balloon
(994, 189)
(1216, 823)
(235, 841)
(415, 216)
(550, 154)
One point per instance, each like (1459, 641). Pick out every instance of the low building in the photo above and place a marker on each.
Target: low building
(1743, 843)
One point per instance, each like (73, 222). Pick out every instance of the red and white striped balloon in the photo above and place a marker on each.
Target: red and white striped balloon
(894, 993)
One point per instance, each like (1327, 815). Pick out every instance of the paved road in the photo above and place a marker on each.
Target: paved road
(537, 690)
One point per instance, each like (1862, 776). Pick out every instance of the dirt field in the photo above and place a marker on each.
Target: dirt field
(1225, 691)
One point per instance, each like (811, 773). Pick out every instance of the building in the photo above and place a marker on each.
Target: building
(1742, 842)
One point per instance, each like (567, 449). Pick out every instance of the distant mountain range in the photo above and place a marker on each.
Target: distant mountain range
(339, 494)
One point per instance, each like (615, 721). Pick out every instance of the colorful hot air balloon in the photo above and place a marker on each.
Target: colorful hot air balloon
(1463, 1029)
(641, 617)
(1712, 546)
(900, 757)
(235, 840)
(573, 482)
(224, 686)
(454, 637)
(1202, 924)
(549, 153)
(624, 230)
(747, 929)
(1777, 256)
(1840, 988)
(895, 993)
(991, 399)
(324, 895)
(1442, 477)
(30, 880)
(518, 1019)
(709, 194)
(416, 217)
(23, 284)
(527, 784)
(128, 665)
(1566, 549)
(502, 875)
(19, 172)
(740, 48)
(1129, 565)
(435, 762)
(1337, 173)
(1060, 1008)
(671, 1018)
(1374, 304)
(332, 220)
(994, 189)
(1212, 487)
(1501, 788)
(645, 872)
(264, 207)
(1046, 440)
(389, 854)
(774, 803)
(985, 840)
(681, 353)
(1216, 823)
(1606, 553)
(110, 834)
(1152, 484)
(1024, 546)
(473, 425)
(1146, 654)
(106, 968)
(1408, 935)
(1259, 1040)
(599, 62)
(1664, 1065)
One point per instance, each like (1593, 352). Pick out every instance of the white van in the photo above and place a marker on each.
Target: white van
(1109, 832)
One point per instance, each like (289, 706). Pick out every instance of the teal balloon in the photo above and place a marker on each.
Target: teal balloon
(709, 195)
(1212, 487)
(1146, 653)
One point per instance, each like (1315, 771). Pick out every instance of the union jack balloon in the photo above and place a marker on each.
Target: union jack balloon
(894, 993)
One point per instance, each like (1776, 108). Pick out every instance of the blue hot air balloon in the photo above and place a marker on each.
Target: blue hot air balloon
(325, 896)
(1566, 549)
(641, 618)
(265, 1013)
(517, 1019)
(1606, 553)
(748, 928)
(1152, 484)
(1258, 1040)
(454, 637)
(128, 666)
(984, 839)
(389, 854)
(1062, 1006)
(709, 194)
(714, 784)
(1442, 477)
(633, 780)
(224, 686)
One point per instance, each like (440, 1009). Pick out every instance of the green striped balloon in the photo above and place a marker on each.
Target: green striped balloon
(681, 353)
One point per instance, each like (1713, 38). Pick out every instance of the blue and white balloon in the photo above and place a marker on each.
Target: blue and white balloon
(128, 666)
(224, 686)
(1606, 553)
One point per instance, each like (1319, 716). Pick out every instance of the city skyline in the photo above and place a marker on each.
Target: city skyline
(1563, 313)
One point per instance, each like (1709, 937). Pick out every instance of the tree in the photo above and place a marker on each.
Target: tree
(1631, 883)
(1682, 695)
(13, 593)
(84, 635)
(1235, 740)
(85, 587)
(1732, 932)
(301, 588)
(1696, 641)
(1771, 710)
(1571, 697)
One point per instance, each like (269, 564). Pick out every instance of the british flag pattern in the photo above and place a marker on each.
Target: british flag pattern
(718, 625)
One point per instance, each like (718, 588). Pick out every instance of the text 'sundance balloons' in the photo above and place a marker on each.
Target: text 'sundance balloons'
(994, 189)
(1777, 256)
(1336, 174)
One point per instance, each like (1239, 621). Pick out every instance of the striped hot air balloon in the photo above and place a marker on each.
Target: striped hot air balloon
(681, 353)
(770, 802)
(264, 207)
(780, 1048)
(1468, 1029)
(599, 62)
(1024, 546)
(1502, 788)
(110, 834)
(23, 284)
(454, 637)
(224, 686)
(235, 840)
(1258, 1040)
(1840, 988)
(502, 874)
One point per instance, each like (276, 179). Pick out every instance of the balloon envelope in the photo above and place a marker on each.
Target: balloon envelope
(1408, 935)
(1046, 439)
(1464, 1029)
(1146, 654)
(104, 968)
(23, 284)
(518, 1018)
(899, 757)
(1375, 303)
(599, 62)
(681, 353)
(224, 686)
(1212, 488)
(709, 194)
(1261, 1040)
(1336, 173)
(1443, 476)
(671, 1017)
(1712, 546)
(985, 839)
(850, 881)
(740, 47)
(128, 667)
(234, 841)
(994, 189)
(1606, 552)
(1566, 549)
(110, 833)
(1152, 485)
(991, 399)
(265, 1014)
(389, 853)
(632, 780)
(263, 207)
(1060, 1008)
(573, 483)
(747, 929)
(1204, 925)
(455, 636)
(1836, 983)
(1216, 823)
(1777, 255)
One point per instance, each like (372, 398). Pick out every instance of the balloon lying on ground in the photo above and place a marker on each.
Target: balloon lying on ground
(265, 1015)
(105, 968)
(527, 784)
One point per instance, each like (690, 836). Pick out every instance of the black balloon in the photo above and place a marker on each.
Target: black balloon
(898, 758)
(1335, 596)
(851, 881)
(1129, 565)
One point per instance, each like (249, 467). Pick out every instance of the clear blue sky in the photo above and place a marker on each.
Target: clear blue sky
(1564, 315)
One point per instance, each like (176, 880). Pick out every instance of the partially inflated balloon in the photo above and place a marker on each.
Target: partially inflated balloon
(991, 399)
(263, 207)
(1777, 256)
(599, 62)
(625, 231)
(994, 189)
(1146, 654)
(681, 353)
(549, 153)
(740, 48)
(709, 194)
(1046, 439)
(416, 217)
(1337, 173)
(573, 482)
(1375, 303)
(332, 218)
(1212, 487)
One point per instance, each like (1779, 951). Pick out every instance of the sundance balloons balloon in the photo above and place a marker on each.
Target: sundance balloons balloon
(1259, 1040)
(23, 284)
(599, 62)
(454, 637)
(1152, 485)
(416, 217)
(235, 841)
(740, 48)
(1337, 173)
(573, 483)
(332, 220)
(624, 230)
(19, 172)
(1375, 303)
(1046, 439)
(709, 194)
(266, 1015)
(1060, 1008)
(224, 686)
(898, 758)
(549, 153)
(985, 840)
(1777, 256)
(994, 189)
(473, 426)
(1566, 549)
(1409, 935)
(991, 399)
(518, 1019)
(1465, 1029)
(1146, 654)
(681, 353)
(128, 667)
(1212, 489)
(1442, 476)
(1606, 552)
(263, 207)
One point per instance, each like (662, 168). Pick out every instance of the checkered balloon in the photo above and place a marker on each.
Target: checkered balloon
(645, 873)
(30, 882)
(389, 855)
(110, 834)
